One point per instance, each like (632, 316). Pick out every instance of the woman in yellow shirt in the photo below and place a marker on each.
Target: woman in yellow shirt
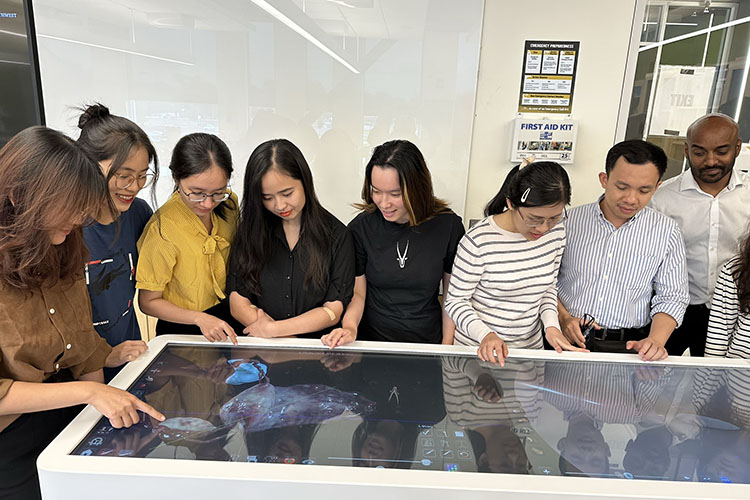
(184, 248)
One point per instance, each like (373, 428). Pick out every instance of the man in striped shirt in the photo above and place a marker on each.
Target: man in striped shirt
(624, 263)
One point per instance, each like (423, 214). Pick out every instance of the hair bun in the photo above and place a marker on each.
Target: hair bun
(94, 112)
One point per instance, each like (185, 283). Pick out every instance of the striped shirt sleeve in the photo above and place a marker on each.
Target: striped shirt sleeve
(671, 292)
(548, 307)
(724, 314)
(468, 267)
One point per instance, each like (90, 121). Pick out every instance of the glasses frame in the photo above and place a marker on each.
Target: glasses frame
(201, 197)
(149, 178)
(549, 221)
(587, 325)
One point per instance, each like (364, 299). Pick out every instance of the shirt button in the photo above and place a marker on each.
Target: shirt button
(286, 296)
(57, 366)
(68, 346)
(605, 276)
(290, 256)
(288, 315)
(52, 310)
(601, 299)
(288, 277)
(609, 255)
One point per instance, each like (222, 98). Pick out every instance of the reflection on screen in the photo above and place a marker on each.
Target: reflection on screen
(449, 413)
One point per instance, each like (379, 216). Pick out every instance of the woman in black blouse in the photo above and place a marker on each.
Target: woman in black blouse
(291, 268)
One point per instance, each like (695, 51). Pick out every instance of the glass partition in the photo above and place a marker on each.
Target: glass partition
(692, 60)
(337, 78)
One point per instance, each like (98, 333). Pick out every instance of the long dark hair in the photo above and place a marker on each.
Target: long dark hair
(105, 136)
(46, 182)
(196, 153)
(413, 177)
(538, 184)
(741, 275)
(252, 244)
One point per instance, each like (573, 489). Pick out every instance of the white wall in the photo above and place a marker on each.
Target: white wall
(603, 28)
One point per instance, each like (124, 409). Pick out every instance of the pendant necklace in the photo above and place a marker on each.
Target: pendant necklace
(402, 258)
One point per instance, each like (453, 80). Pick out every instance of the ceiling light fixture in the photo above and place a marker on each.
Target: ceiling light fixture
(97, 46)
(289, 23)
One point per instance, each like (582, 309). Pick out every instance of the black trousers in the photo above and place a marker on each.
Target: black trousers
(220, 310)
(22, 442)
(692, 333)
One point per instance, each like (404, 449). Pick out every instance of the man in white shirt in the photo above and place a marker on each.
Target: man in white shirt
(711, 203)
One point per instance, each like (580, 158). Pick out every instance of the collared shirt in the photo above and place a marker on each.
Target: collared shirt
(623, 277)
(179, 258)
(284, 293)
(610, 393)
(46, 330)
(711, 226)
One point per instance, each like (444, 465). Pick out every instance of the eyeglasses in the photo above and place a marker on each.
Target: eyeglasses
(538, 221)
(125, 181)
(200, 197)
(587, 325)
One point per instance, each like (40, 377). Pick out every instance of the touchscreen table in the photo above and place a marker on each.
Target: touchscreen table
(295, 418)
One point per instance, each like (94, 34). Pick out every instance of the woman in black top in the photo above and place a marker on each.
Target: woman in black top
(291, 268)
(405, 241)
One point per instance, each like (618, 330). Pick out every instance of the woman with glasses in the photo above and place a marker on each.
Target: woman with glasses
(292, 265)
(185, 246)
(405, 240)
(504, 286)
(51, 358)
(128, 161)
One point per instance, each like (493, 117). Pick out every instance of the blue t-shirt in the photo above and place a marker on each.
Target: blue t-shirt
(110, 273)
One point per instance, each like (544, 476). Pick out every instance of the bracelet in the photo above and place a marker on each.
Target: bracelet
(331, 314)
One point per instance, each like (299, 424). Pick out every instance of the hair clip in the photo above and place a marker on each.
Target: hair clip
(526, 162)
(525, 195)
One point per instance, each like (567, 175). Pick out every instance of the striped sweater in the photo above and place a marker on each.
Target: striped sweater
(728, 330)
(504, 283)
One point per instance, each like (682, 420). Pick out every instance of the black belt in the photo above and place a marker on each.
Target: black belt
(621, 334)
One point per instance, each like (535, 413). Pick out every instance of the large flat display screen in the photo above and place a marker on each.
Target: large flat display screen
(450, 413)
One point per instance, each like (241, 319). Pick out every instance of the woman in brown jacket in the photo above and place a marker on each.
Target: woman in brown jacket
(51, 357)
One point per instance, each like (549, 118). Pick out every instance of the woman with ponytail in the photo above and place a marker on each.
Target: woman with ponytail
(504, 286)
(185, 245)
(128, 161)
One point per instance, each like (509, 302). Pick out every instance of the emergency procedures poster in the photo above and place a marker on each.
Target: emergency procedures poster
(548, 77)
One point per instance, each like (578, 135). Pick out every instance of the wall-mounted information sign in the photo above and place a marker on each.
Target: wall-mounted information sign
(552, 140)
(548, 77)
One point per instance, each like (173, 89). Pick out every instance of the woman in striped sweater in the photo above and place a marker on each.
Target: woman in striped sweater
(503, 289)
(729, 323)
